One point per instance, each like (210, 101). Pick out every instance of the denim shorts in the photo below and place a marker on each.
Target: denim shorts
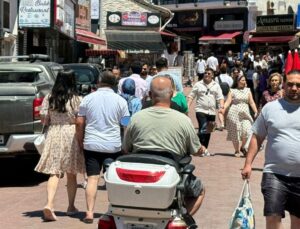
(281, 193)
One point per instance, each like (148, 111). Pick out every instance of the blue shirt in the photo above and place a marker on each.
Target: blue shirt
(103, 110)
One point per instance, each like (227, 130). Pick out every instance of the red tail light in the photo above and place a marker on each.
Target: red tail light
(37, 103)
(106, 222)
(177, 223)
(139, 176)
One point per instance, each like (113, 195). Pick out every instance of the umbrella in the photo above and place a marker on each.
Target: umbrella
(296, 63)
(289, 62)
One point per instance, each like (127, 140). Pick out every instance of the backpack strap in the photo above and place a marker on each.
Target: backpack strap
(219, 78)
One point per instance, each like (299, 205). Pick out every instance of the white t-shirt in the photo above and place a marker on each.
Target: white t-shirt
(201, 66)
(103, 110)
(212, 62)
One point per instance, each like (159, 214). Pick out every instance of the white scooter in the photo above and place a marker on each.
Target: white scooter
(146, 191)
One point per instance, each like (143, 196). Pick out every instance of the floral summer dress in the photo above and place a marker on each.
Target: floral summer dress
(239, 119)
(61, 151)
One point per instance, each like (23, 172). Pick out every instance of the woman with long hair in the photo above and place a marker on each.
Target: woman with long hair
(61, 153)
(239, 119)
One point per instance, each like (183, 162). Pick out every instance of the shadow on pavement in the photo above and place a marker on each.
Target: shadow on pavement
(39, 213)
(19, 172)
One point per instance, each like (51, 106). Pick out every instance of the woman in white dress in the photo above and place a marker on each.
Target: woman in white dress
(239, 119)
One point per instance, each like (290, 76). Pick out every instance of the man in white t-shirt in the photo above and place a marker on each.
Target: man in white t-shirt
(200, 67)
(98, 133)
(212, 62)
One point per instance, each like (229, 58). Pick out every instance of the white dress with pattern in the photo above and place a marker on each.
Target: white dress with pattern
(239, 120)
(61, 152)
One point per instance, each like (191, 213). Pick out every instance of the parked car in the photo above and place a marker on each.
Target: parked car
(23, 86)
(87, 75)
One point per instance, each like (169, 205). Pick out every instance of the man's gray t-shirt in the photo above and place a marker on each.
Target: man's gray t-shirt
(279, 121)
(161, 129)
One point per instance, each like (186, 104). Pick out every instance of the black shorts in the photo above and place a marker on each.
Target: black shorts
(281, 193)
(94, 161)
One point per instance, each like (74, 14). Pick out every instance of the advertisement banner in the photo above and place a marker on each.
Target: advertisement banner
(95, 8)
(35, 13)
(83, 15)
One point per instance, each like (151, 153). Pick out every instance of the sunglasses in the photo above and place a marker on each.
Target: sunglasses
(290, 84)
(206, 93)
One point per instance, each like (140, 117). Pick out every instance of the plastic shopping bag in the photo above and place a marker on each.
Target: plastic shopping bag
(243, 215)
(39, 143)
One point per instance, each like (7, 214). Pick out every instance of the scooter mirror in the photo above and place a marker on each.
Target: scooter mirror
(125, 120)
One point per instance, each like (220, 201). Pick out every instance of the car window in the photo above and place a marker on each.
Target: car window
(18, 77)
(84, 76)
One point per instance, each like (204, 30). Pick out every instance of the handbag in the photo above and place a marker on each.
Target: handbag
(243, 215)
(39, 142)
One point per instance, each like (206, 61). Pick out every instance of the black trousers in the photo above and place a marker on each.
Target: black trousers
(203, 119)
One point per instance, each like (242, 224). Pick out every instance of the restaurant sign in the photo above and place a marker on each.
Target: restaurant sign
(34, 13)
(275, 23)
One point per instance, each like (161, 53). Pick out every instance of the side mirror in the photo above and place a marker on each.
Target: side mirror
(125, 120)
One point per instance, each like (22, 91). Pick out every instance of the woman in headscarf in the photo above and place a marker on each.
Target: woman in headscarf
(134, 103)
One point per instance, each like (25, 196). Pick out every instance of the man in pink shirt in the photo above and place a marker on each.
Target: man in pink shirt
(141, 88)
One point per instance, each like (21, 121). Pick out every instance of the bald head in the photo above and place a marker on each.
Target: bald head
(161, 90)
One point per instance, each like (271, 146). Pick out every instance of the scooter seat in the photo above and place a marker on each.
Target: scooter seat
(149, 159)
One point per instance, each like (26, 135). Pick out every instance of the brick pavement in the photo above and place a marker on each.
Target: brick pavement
(21, 206)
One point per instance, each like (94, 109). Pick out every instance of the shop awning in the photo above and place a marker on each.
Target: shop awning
(101, 52)
(167, 33)
(224, 38)
(272, 39)
(89, 37)
(134, 40)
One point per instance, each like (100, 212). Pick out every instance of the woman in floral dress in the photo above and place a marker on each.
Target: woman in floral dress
(61, 153)
(239, 119)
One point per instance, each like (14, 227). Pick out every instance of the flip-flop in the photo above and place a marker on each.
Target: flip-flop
(88, 220)
(49, 214)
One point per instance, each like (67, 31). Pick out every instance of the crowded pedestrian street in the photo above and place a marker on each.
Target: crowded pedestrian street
(221, 175)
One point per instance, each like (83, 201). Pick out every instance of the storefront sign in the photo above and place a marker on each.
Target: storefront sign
(95, 8)
(283, 22)
(35, 13)
(83, 18)
(229, 25)
(133, 19)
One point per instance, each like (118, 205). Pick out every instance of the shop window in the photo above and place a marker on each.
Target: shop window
(6, 15)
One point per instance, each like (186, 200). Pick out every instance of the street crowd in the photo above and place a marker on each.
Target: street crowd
(253, 97)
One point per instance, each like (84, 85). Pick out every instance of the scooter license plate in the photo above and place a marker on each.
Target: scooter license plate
(139, 226)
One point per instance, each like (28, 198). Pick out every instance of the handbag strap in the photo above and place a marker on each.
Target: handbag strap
(246, 186)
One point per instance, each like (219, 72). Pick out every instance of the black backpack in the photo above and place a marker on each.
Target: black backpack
(224, 86)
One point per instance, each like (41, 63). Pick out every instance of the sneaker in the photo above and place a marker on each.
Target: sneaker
(207, 154)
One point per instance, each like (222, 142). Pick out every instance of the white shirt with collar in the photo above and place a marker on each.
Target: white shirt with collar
(141, 86)
(206, 96)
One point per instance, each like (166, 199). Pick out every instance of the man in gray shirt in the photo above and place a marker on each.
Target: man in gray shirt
(162, 129)
(279, 121)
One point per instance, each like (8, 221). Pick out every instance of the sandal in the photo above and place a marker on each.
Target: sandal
(49, 214)
(72, 213)
(237, 154)
(88, 220)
